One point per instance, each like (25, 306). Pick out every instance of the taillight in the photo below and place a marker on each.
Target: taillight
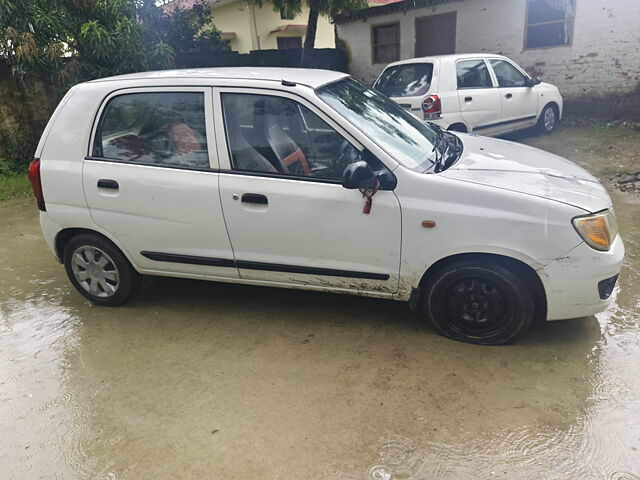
(36, 184)
(431, 108)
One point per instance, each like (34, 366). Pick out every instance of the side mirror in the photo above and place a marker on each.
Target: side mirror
(533, 81)
(358, 175)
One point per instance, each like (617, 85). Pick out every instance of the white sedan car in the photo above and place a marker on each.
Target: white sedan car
(308, 179)
(479, 93)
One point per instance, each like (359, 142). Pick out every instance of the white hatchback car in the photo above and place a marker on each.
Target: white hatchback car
(308, 179)
(479, 93)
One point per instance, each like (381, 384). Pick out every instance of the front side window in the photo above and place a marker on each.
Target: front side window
(473, 74)
(408, 80)
(549, 23)
(277, 135)
(165, 128)
(508, 75)
(405, 138)
(386, 43)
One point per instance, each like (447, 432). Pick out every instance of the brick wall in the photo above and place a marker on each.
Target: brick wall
(604, 57)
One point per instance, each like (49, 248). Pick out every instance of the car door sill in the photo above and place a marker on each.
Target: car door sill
(249, 265)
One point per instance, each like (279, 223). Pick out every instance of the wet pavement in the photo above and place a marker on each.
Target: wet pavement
(205, 380)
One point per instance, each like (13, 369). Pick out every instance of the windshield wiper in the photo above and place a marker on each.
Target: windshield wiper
(444, 159)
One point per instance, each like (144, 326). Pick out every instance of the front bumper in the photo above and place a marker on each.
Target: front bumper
(576, 283)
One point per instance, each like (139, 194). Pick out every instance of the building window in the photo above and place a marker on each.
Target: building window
(286, 14)
(549, 23)
(386, 43)
(289, 42)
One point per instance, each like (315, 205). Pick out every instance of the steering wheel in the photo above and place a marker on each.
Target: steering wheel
(347, 154)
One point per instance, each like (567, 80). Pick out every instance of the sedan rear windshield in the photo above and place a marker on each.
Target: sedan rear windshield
(405, 138)
(408, 80)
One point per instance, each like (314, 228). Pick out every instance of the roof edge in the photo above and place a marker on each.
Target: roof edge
(402, 6)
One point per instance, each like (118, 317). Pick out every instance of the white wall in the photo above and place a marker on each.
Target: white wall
(604, 57)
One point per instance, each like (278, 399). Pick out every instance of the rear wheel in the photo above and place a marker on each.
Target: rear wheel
(548, 120)
(99, 270)
(478, 302)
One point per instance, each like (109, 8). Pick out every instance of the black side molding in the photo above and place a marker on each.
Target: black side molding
(330, 272)
(271, 267)
(498, 124)
(190, 259)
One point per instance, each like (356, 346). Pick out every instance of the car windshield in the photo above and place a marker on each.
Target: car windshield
(407, 80)
(408, 140)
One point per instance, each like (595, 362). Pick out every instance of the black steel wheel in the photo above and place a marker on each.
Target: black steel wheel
(478, 302)
(99, 270)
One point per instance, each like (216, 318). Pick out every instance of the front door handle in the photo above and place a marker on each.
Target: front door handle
(104, 183)
(468, 99)
(255, 198)
(508, 95)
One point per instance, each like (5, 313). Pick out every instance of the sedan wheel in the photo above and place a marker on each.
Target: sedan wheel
(548, 119)
(95, 271)
(99, 270)
(478, 302)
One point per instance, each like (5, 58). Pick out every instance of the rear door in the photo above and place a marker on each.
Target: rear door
(289, 218)
(151, 181)
(478, 98)
(519, 101)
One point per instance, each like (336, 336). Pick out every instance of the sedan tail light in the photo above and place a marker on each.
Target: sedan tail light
(36, 184)
(431, 108)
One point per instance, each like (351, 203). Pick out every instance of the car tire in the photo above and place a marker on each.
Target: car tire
(99, 270)
(548, 120)
(478, 302)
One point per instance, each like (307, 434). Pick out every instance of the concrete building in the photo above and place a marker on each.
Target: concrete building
(585, 47)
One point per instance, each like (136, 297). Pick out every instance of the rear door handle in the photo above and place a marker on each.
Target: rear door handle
(508, 95)
(255, 198)
(468, 99)
(112, 184)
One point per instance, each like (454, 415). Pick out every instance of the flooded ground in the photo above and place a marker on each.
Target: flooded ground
(204, 380)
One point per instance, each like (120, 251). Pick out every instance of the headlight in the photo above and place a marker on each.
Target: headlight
(597, 230)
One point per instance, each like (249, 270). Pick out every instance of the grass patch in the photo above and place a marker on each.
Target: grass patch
(14, 185)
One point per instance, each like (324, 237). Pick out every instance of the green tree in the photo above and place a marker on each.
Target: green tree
(74, 40)
(331, 8)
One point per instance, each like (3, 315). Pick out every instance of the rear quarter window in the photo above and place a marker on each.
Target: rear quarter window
(407, 80)
(159, 128)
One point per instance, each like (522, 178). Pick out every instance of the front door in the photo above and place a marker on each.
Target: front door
(436, 35)
(519, 101)
(478, 98)
(152, 181)
(289, 219)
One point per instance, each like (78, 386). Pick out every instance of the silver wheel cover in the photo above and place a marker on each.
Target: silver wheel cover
(549, 119)
(95, 271)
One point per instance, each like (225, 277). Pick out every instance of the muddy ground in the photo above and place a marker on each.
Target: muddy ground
(204, 380)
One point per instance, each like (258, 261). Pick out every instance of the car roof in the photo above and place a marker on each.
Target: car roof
(451, 58)
(313, 78)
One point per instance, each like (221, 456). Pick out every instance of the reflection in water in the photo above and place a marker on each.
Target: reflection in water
(300, 385)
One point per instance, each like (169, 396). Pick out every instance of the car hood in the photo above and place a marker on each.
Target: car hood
(520, 168)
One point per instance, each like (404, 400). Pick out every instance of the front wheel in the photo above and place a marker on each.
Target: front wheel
(478, 302)
(99, 270)
(548, 120)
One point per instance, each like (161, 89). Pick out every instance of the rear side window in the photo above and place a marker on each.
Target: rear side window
(165, 128)
(473, 74)
(409, 80)
(507, 74)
